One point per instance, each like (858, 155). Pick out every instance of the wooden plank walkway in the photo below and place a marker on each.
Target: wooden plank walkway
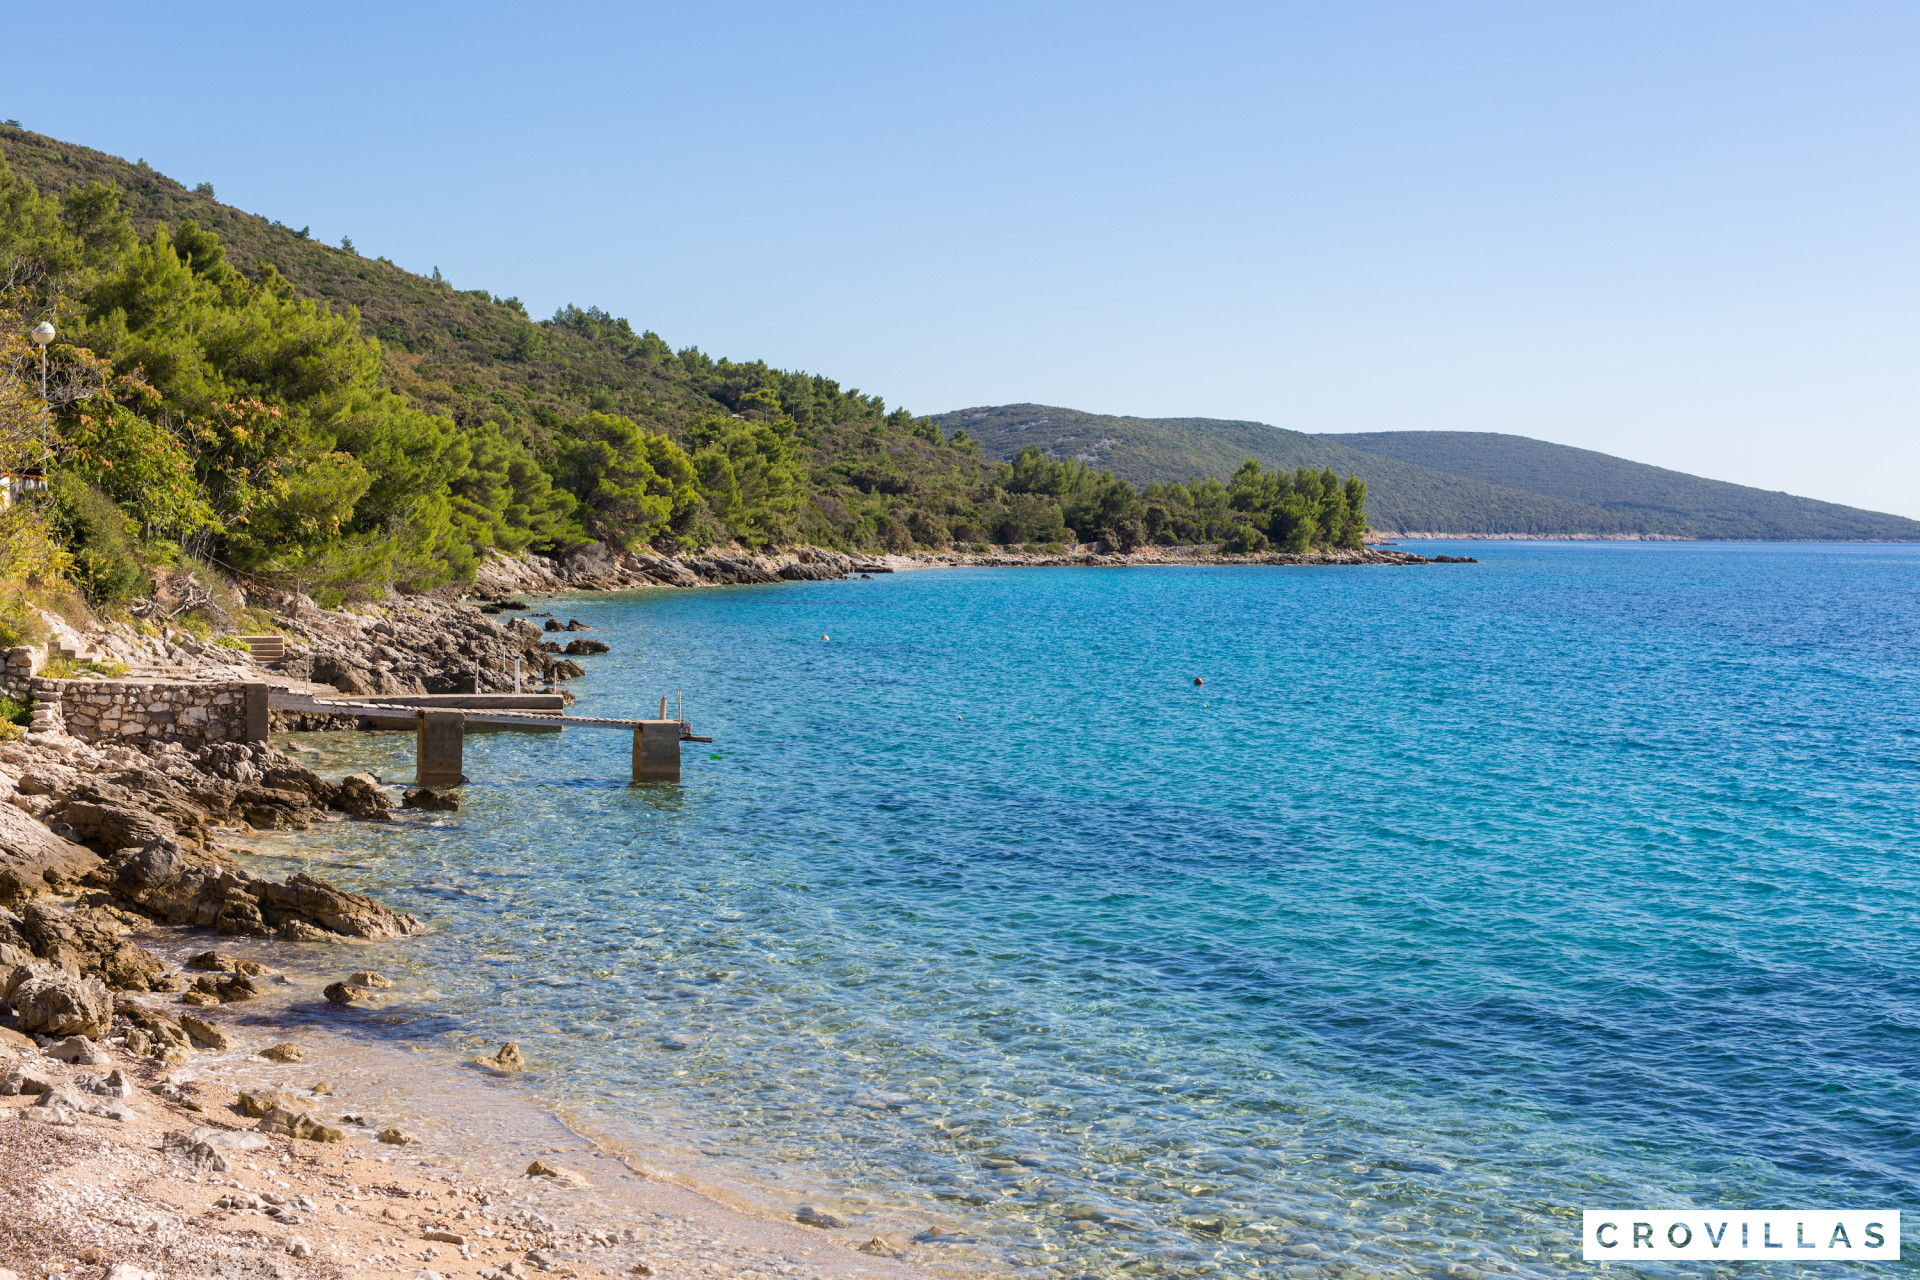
(403, 716)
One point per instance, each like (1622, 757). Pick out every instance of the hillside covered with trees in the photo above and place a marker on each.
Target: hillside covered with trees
(1468, 483)
(1641, 497)
(224, 389)
(1146, 451)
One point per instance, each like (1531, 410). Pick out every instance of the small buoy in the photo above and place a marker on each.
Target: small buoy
(1198, 680)
(823, 637)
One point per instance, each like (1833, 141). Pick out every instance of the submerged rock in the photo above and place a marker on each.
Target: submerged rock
(205, 1034)
(284, 1053)
(361, 795)
(428, 798)
(229, 988)
(368, 978)
(255, 1104)
(507, 1061)
(342, 993)
(541, 1169)
(282, 1122)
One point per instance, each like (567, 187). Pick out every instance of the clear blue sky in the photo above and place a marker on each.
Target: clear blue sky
(1681, 232)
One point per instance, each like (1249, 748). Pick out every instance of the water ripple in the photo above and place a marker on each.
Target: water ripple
(1453, 901)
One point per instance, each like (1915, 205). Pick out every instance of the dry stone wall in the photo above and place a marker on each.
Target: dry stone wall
(18, 667)
(147, 710)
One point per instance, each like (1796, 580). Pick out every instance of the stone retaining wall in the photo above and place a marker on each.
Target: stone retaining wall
(147, 710)
(18, 667)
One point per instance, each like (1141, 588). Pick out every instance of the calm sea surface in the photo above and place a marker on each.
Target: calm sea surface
(1455, 899)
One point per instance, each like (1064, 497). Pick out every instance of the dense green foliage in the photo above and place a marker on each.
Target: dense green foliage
(294, 411)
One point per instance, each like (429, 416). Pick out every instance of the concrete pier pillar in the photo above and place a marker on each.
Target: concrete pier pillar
(440, 744)
(656, 751)
(259, 718)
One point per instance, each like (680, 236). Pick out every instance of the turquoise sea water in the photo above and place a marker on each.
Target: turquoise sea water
(1457, 898)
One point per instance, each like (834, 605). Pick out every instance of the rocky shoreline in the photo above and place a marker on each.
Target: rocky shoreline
(599, 568)
(115, 887)
(119, 898)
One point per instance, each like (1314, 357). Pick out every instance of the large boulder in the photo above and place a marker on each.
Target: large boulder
(149, 790)
(315, 901)
(13, 931)
(114, 826)
(179, 887)
(54, 1002)
(33, 859)
(93, 943)
(272, 808)
(348, 675)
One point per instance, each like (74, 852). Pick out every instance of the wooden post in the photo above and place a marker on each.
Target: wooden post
(656, 751)
(259, 718)
(440, 742)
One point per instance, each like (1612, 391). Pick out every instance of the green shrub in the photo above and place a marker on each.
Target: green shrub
(19, 624)
(1244, 540)
(13, 712)
(229, 642)
(99, 536)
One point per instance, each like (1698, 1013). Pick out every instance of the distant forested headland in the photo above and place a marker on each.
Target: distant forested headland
(224, 389)
(1453, 482)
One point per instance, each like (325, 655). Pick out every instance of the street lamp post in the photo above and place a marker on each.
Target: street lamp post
(42, 334)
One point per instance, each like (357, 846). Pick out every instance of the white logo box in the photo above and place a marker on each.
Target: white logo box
(1777, 1235)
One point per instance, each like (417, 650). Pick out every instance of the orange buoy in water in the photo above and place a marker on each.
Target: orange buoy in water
(823, 637)
(1198, 680)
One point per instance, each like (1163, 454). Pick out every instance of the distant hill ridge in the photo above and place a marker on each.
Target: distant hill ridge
(1440, 482)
